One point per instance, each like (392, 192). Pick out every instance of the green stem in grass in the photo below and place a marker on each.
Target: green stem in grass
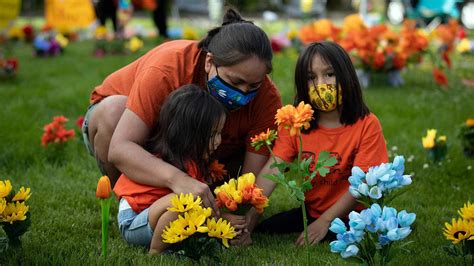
(105, 205)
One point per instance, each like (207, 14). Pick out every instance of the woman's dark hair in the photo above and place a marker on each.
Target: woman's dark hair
(237, 40)
(353, 105)
(188, 121)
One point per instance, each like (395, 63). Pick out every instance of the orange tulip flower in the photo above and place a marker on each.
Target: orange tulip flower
(440, 77)
(224, 200)
(103, 188)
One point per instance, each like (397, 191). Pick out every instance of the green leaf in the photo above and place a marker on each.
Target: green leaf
(323, 156)
(330, 162)
(323, 171)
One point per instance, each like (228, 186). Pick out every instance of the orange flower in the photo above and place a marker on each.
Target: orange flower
(55, 132)
(293, 118)
(224, 200)
(259, 200)
(440, 77)
(264, 138)
(445, 57)
(379, 60)
(470, 122)
(103, 188)
(217, 171)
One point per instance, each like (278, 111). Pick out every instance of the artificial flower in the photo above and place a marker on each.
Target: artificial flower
(429, 140)
(467, 212)
(15, 211)
(264, 138)
(103, 188)
(458, 231)
(470, 122)
(80, 121)
(3, 204)
(175, 232)
(294, 118)
(184, 202)
(442, 139)
(259, 200)
(134, 44)
(22, 195)
(5, 188)
(224, 200)
(221, 229)
(440, 77)
(217, 171)
(230, 190)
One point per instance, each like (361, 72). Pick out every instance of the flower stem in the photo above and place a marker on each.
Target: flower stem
(105, 206)
(305, 224)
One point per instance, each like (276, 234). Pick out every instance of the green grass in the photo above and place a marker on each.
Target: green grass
(66, 215)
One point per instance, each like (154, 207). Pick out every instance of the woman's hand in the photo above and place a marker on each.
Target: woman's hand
(317, 230)
(237, 221)
(186, 184)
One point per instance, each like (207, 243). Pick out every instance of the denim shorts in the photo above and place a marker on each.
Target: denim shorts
(134, 227)
(85, 128)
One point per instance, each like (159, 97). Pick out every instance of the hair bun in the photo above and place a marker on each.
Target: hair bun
(232, 16)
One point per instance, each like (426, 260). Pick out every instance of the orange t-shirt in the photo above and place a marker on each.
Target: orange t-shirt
(148, 80)
(361, 144)
(141, 196)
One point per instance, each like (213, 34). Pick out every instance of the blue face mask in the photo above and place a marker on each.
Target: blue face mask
(231, 97)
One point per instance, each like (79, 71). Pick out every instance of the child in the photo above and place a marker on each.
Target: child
(191, 121)
(344, 127)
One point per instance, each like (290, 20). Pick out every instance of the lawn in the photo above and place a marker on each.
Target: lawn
(66, 215)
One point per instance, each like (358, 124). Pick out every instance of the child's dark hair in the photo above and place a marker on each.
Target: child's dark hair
(188, 121)
(237, 40)
(353, 105)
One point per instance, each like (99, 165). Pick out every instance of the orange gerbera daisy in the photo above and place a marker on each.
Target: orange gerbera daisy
(264, 138)
(294, 118)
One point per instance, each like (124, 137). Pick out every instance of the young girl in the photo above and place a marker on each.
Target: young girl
(342, 124)
(191, 121)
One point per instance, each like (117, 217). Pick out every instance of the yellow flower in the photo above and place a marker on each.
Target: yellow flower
(458, 231)
(63, 41)
(429, 140)
(3, 204)
(184, 202)
(16, 33)
(22, 194)
(464, 46)
(467, 212)
(100, 32)
(353, 22)
(5, 188)
(306, 6)
(221, 229)
(15, 211)
(442, 139)
(175, 231)
(470, 122)
(245, 181)
(190, 34)
(230, 188)
(134, 44)
(292, 33)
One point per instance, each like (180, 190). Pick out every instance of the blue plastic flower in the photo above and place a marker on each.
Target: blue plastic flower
(399, 164)
(383, 240)
(350, 251)
(388, 212)
(357, 175)
(405, 219)
(338, 246)
(376, 210)
(363, 189)
(375, 192)
(355, 221)
(354, 192)
(398, 233)
(338, 226)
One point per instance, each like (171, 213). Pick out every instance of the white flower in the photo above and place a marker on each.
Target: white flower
(426, 166)
(394, 148)
(469, 168)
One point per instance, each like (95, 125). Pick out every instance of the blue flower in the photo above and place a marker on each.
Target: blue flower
(375, 192)
(406, 180)
(390, 224)
(363, 189)
(388, 212)
(405, 219)
(350, 251)
(356, 176)
(354, 192)
(355, 221)
(383, 240)
(399, 164)
(338, 226)
(381, 172)
(403, 232)
(376, 210)
(338, 246)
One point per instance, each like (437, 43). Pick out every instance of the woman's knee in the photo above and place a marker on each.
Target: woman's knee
(105, 117)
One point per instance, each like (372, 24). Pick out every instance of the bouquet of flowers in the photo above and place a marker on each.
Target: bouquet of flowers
(194, 234)
(375, 229)
(14, 215)
(8, 66)
(467, 137)
(461, 231)
(296, 176)
(49, 44)
(436, 147)
(238, 196)
(56, 132)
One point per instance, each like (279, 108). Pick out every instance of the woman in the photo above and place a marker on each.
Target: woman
(231, 63)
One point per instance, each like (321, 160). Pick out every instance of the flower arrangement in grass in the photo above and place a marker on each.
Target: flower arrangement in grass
(238, 196)
(194, 233)
(14, 215)
(103, 193)
(467, 137)
(56, 132)
(373, 231)
(461, 233)
(436, 147)
(295, 176)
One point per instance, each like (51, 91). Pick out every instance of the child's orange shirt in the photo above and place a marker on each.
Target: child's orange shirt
(151, 78)
(361, 144)
(141, 196)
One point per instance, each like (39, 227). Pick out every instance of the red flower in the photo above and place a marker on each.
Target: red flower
(55, 132)
(80, 121)
(217, 171)
(440, 77)
(445, 56)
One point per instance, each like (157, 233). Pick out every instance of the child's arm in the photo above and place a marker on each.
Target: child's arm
(318, 229)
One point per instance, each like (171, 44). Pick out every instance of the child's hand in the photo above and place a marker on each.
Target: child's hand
(237, 221)
(317, 230)
(242, 240)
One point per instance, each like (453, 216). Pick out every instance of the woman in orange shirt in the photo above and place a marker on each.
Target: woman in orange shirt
(342, 125)
(231, 63)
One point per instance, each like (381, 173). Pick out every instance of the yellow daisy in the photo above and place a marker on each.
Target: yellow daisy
(3, 204)
(175, 231)
(184, 202)
(221, 229)
(15, 211)
(442, 139)
(458, 231)
(467, 212)
(22, 194)
(230, 188)
(5, 188)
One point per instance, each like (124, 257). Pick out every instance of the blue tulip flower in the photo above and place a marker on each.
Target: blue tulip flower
(405, 219)
(338, 226)
(355, 221)
(338, 246)
(350, 251)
